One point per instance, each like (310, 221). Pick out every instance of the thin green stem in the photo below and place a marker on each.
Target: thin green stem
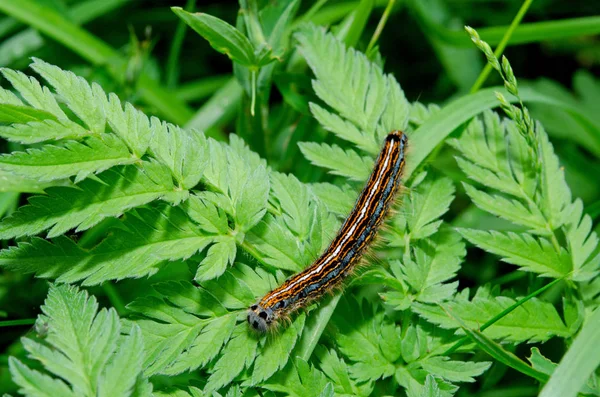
(502, 45)
(380, 25)
(172, 70)
(115, 298)
(13, 323)
(503, 313)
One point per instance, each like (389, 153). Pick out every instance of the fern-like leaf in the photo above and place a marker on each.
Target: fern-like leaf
(73, 159)
(110, 195)
(148, 237)
(40, 131)
(342, 162)
(84, 348)
(533, 255)
(534, 320)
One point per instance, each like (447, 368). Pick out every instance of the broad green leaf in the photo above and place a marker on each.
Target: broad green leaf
(294, 199)
(337, 371)
(82, 206)
(79, 159)
(223, 37)
(533, 255)
(209, 216)
(336, 199)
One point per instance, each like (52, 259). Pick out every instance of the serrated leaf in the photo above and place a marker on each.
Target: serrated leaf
(83, 99)
(341, 162)
(79, 159)
(534, 320)
(336, 369)
(533, 255)
(22, 114)
(337, 200)
(37, 96)
(40, 131)
(363, 341)
(582, 241)
(277, 245)
(148, 238)
(300, 379)
(209, 216)
(110, 195)
(511, 210)
(184, 152)
(426, 204)
(276, 352)
(454, 371)
(130, 124)
(356, 88)
(237, 355)
(84, 348)
(293, 197)
(219, 256)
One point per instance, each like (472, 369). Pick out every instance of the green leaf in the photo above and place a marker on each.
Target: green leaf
(582, 242)
(533, 255)
(436, 260)
(371, 342)
(184, 152)
(534, 320)
(110, 195)
(130, 124)
(219, 256)
(40, 131)
(425, 205)
(183, 330)
(293, 197)
(84, 100)
(356, 88)
(555, 193)
(147, 238)
(84, 348)
(238, 354)
(209, 216)
(37, 96)
(337, 371)
(22, 114)
(300, 379)
(223, 37)
(72, 159)
(337, 200)
(342, 162)
(454, 371)
(276, 352)
(511, 210)
(580, 361)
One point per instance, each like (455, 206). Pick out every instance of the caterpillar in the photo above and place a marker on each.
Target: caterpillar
(346, 249)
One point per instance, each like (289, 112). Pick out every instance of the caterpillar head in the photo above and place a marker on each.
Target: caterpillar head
(260, 318)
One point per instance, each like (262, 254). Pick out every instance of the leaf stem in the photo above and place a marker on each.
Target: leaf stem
(380, 25)
(13, 323)
(502, 45)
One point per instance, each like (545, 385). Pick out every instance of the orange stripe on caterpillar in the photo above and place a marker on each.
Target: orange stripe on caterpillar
(346, 249)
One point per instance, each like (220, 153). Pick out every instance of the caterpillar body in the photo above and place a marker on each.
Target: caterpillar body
(346, 249)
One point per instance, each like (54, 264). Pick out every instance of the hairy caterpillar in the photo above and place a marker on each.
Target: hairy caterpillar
(347, 247)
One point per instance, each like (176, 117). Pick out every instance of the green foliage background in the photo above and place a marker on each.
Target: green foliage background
(151, 189)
